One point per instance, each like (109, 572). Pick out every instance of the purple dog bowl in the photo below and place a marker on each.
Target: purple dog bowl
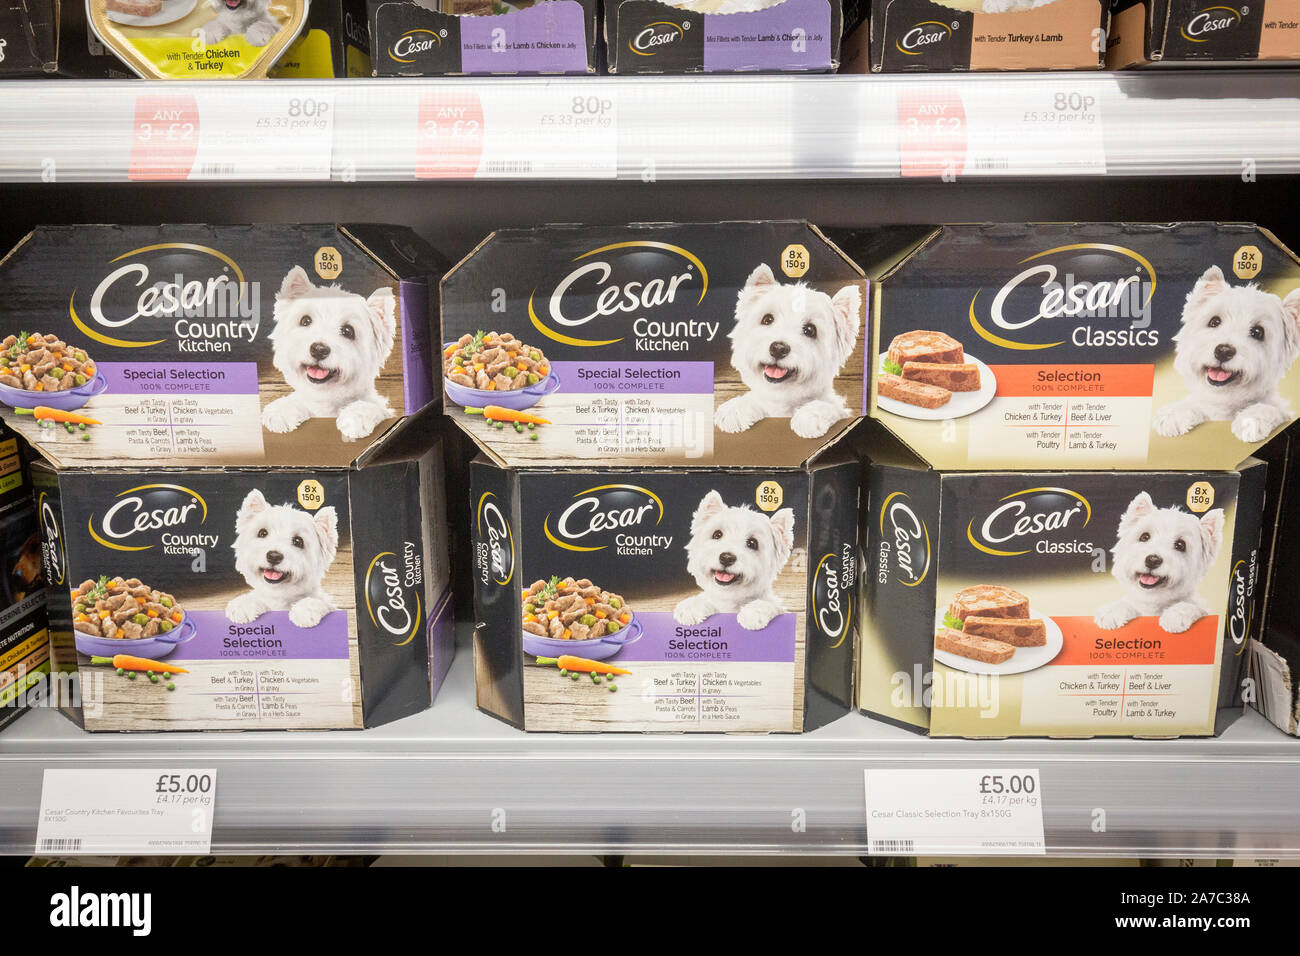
(516, 401)
(67, 401)
(596, 649)
(156, 647)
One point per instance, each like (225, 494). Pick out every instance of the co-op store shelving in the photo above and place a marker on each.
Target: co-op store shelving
(836, 150)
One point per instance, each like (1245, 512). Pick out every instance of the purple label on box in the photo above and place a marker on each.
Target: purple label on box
(635, 378)
(180, 378)
(270, 637)
(547, 38)
(417, 372)
(794, 35)
(718, 639)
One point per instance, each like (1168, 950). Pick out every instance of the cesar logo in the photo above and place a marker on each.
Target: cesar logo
(1032, 513)
(907, 536)
(386, 587)
(602, 509)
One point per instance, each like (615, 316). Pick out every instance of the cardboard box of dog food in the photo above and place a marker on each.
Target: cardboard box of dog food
(1065, 604)
(481, 37)
(672, 600)
(24, 639)
(722, 36)
(712, 344)
(287, 597)
(218, 412)
(920, 36)
(334, 43)
(1145, 33)
(1083, 345)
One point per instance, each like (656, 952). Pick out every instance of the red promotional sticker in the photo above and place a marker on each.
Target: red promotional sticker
(931, 132)
(164, 137)
(450, 140)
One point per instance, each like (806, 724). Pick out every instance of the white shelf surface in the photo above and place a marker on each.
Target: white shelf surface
(1235, 123)
(437, 782)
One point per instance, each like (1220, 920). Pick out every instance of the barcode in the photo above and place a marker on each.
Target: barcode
(63, 845)
(893, 846)
(508, 166)
(992, 163)
(215, 169)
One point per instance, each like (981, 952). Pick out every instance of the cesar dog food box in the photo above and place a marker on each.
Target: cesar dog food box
(464, 37)
(1058, 603)
(1197, 33)
(1083, 346)
(920, 36)
(722, 36)
(227, 487)
(664, 510)
(24, 639)
(197, 39)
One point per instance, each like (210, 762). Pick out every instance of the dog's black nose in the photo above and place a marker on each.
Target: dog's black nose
(726, 559)
(779, 350)
(319, 350)
(275, 557)
(1154, 561)
(1223, 353)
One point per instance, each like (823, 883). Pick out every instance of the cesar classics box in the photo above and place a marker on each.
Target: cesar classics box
(920, 36)
(1083, 345)
(218, 413)
(1002, 604)
(1198, 33)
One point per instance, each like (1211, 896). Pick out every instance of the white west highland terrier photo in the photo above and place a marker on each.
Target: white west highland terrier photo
(1160, 558)
(1235, 346)
(1012, 6)
(788, 344)
(283, 554)
(735, 555)
(252, 18)
(330, 345)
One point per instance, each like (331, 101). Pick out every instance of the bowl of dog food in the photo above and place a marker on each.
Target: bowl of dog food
(40, 369)
(495, 368)
(125, 616)
(564, 616)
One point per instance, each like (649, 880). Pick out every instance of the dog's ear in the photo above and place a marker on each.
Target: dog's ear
(782, 524)
(253, 505)
(847, 306)
(327, 530)
(295, 285)
(1210, 283)
(710, 505)
(1139, 507)
(382, 309)
(760, 280)
(1291, 321)
(1212, 532)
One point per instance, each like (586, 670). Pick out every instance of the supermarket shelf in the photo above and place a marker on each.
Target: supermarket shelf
(437, 782)
(982, 126)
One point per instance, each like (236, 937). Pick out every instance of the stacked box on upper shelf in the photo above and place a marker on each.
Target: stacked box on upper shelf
(1147, 33)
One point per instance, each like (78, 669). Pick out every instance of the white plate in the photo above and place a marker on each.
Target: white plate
(172, 10)
(961, 405)
(1024, 659)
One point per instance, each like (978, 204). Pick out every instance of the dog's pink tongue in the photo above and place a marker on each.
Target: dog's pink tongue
(1219, 374)
(774, 371)
(316, 372)
(1148, 579)
(271, 575)
(724, 576)
(232, 4)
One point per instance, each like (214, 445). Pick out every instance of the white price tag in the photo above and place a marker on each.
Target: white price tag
(954, 812)
(1046, 129)
(276, 134)
(126, 812)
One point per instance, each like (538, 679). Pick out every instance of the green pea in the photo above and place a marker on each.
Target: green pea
(164, 626)
(500, 425)
(588, 619)
(171, 686)
(532, 426)
(615, 603)
(56, 373)
(574, 676)
(82, 426)
(130, 675)
(595, 678)
(120, 672)
(165, 601)
(533, 437)
(519, 428)
(535, 355)
(153, 678)
(563, 672)
(140, 618)
(613, 687)
(533, 378)
(612, 626)
(80, 379)
(86, 437)
(530, 609)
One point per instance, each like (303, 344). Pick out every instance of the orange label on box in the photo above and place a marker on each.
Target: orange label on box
(164, 137)
(1140, 643)
(1023, 381)
(450, 140)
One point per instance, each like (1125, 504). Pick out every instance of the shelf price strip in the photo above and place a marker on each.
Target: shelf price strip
(954, 812)
(126, 812)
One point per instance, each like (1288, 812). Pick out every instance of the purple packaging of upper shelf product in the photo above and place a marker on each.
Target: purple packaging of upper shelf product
(799, 36)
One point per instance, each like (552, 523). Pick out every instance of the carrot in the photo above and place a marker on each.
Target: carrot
(495, 413)
(129, 663)
(624, 618)
(567, 662)
(48, 414)
(177, 617)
